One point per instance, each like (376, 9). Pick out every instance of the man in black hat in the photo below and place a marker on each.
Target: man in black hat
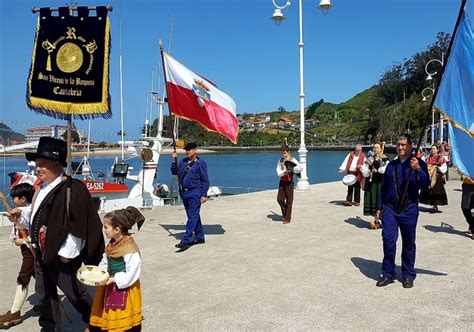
(194, 184)
(65, 231)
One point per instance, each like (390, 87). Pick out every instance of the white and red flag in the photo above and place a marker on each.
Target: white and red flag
(195, 98)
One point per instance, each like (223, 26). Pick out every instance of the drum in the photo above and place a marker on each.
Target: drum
(349, 179)
(92, 275)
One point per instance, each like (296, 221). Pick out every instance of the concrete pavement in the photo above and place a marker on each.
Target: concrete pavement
(316, 273)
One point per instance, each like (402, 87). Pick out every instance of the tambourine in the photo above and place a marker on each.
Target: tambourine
(92, 275)
(349, 179)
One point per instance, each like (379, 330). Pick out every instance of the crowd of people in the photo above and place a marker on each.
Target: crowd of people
(58, 229)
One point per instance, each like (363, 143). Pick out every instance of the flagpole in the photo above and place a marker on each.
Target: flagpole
(175, 159)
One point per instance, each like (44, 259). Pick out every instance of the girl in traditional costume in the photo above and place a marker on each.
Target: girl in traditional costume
(118, 304)
(437, 169)
(286, 168)
(373, 170)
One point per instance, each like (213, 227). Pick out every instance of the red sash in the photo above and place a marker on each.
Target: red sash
(360, 162)
(287, 178)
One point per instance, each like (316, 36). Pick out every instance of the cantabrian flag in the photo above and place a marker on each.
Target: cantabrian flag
(455, 95)
(195, 98)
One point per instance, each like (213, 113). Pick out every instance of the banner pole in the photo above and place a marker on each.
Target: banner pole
(175, 159)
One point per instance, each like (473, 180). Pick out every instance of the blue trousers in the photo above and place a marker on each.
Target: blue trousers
(391, 222)
(192, 204)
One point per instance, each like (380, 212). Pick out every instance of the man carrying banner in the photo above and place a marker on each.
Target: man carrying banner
(398, 209)
(66, 231)
(194, 184)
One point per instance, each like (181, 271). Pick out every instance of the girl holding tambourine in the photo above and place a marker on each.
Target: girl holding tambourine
(118, 304)
(286, 168)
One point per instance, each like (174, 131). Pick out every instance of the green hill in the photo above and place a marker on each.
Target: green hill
(7, 134)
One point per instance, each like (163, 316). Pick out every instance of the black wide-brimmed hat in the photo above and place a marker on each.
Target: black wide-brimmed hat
(49, 148)
(190, 146)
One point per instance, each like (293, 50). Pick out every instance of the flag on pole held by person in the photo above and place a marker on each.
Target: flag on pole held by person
(455, 95)
(69, 73)
(195, 98)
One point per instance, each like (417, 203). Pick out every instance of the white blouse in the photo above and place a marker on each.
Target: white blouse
(132, 269)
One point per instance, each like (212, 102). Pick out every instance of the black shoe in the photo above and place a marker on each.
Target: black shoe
(384, 282)
(407, 283)
(183, 246)
(199, 241)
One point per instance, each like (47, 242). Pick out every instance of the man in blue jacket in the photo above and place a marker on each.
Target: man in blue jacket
(194, 184)
(398, 208)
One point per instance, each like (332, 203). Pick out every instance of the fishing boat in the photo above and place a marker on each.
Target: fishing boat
(109, 189)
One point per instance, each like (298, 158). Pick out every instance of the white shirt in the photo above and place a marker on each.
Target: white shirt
(24, 221)
(73, 245)
(353, 166)
(132, 272)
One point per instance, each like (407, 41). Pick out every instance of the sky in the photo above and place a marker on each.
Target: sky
(236, 45)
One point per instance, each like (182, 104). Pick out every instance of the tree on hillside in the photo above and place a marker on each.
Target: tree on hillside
(312, 108)
(404, 79)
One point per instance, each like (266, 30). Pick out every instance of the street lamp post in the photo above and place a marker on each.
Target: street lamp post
(427, 93)
(429, 77)
(278, 17)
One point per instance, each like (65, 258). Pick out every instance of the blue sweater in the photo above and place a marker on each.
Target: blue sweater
(196, 178)
(398, 172)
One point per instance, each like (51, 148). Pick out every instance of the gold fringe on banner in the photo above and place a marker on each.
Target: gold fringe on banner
(454, 123)
(64, 110)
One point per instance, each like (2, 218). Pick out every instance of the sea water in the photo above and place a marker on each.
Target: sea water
(234, 172)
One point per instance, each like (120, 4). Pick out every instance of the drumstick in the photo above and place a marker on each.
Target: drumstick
(18, 226)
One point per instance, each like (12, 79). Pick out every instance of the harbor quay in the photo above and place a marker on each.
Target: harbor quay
(316, 273)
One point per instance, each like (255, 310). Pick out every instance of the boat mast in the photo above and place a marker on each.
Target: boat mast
(121, 87)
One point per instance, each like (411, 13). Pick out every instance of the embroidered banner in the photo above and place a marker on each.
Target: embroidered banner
(69, 74)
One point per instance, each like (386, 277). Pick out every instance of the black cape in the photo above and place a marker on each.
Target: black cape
(83, 222)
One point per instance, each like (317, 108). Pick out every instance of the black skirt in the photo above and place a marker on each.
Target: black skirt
(436, 195)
